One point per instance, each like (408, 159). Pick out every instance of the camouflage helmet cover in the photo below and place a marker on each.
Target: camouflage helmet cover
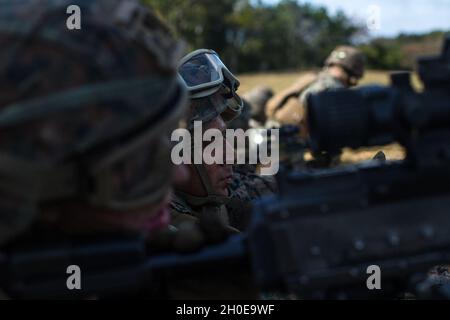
(350, 58)
(77, 106)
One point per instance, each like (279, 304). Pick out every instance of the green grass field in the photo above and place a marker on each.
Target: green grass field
(279, 81)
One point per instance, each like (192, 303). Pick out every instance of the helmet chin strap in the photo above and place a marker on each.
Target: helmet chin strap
(212, 215)
(211, 198)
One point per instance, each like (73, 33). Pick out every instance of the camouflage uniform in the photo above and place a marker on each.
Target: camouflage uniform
(323, 82)
(202, 229)
(182, 211)
(244, 189)
(287, 107)
(284, 108)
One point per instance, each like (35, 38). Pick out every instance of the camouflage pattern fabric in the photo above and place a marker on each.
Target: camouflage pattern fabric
(180, 206)
(440, 275)
(284, 108)
(220, 284)
(350, 58)
(181, 211)
(65, 95)
(246, 187)
(211, 221)
(323, 82)
(36, 67)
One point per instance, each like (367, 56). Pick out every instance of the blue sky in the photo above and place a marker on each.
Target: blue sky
(411, 16)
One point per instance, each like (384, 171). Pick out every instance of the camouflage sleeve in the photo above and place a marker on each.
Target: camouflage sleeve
(323, 83)
(245, 188)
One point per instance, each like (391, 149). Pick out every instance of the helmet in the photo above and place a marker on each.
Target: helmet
(83, 112)
(212, 87)
(350, 58)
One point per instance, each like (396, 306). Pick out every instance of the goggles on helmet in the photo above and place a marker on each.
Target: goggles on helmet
(202, 70)
(204, 74)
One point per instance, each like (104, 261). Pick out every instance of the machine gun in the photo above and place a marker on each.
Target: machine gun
(318, 236)
(327, 226)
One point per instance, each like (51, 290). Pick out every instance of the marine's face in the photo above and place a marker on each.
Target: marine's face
(219, 174)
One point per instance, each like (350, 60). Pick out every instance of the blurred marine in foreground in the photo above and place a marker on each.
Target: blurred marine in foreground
(85, 117)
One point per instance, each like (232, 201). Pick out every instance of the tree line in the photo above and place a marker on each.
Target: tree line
(253, 36)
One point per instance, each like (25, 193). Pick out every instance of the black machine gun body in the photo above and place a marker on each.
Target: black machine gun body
(395, 215)
(326, 228)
